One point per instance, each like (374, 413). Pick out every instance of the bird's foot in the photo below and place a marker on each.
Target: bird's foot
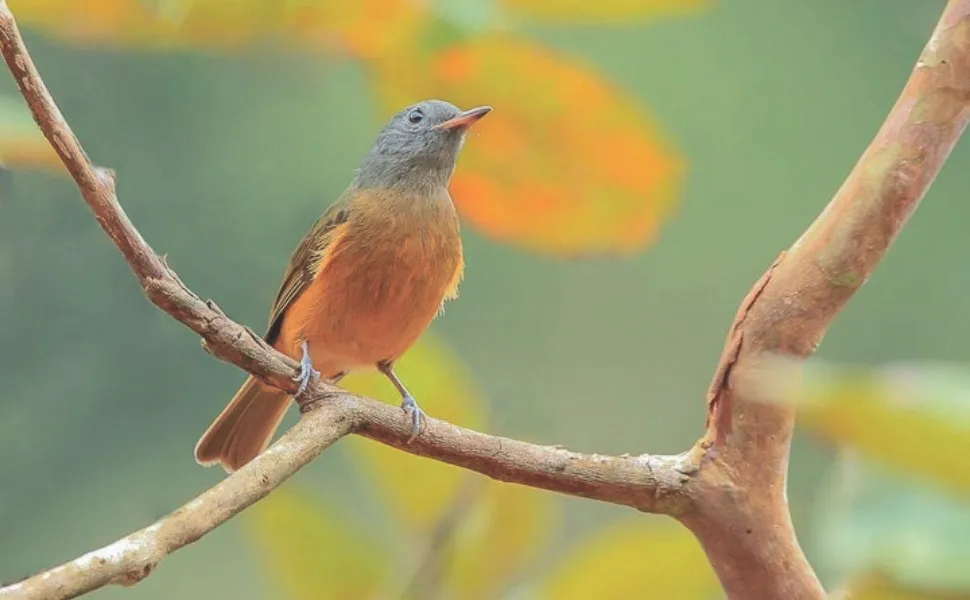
(307, 372)
(410, 407)
(408, 403)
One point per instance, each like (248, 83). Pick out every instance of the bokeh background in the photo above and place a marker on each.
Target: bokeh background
(646, 161)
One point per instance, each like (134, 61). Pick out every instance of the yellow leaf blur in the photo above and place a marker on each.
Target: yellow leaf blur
(417, 489)
(637, 558)
(22, 145)
(498, 539)
(874, 587)
(362, 27)
(572, 167)
(123, 21)
(602, 11)
(914, 418)
(312, 550)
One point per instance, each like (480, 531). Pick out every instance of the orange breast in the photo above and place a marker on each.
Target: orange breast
(379, 286)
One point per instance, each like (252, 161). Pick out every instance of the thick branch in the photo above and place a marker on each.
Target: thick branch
(742, 518)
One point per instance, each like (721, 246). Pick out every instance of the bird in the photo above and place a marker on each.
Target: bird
(366, 280)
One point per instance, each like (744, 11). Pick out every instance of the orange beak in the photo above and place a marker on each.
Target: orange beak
(465, 119)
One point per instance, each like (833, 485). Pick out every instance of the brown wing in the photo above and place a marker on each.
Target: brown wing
(304, 263)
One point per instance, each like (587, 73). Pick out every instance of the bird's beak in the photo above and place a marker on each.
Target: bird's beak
(465, 119)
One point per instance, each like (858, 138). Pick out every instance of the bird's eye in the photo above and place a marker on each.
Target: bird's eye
(415, 117)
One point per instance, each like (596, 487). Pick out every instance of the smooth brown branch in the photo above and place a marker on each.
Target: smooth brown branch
(742, 518)
(650, 483)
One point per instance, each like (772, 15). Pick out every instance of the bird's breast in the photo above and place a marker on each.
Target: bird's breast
(381, 284)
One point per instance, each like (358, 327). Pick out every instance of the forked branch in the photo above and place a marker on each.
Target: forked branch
(729, 488)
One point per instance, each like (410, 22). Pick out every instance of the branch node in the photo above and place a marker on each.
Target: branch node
(106, 177)
(132, 577)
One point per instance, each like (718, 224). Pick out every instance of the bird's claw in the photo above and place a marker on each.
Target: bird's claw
(307, 372)
(410, 407)
(408, 403)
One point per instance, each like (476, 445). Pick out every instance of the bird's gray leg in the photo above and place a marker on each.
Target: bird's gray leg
(307, 372)
(408, 404)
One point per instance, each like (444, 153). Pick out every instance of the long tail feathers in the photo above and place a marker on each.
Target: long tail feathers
(244, 428)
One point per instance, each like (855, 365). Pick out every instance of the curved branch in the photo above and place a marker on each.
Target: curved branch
(751, 542)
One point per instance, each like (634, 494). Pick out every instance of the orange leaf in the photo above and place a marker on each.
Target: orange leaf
(125, 21)
(364, 28)
(572, 167)
(601, 11)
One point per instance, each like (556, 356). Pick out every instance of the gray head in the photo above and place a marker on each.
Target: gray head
(418, 148)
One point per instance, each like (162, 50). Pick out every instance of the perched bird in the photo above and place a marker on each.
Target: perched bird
(366, 280)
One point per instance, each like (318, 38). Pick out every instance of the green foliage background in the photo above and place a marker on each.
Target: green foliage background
(225, 159)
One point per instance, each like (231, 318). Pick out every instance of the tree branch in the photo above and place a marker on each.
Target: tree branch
(729, 489)
(742, 516)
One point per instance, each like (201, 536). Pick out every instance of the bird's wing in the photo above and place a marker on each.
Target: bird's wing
(305, 263)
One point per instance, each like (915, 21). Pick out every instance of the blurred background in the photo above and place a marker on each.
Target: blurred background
(645, 163)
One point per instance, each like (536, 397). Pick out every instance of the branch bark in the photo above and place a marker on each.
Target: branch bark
(729, 489)
(742, 516)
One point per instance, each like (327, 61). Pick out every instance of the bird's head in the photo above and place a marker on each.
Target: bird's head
(419, 146)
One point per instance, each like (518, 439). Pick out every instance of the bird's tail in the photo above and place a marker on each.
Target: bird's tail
(244, 428)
